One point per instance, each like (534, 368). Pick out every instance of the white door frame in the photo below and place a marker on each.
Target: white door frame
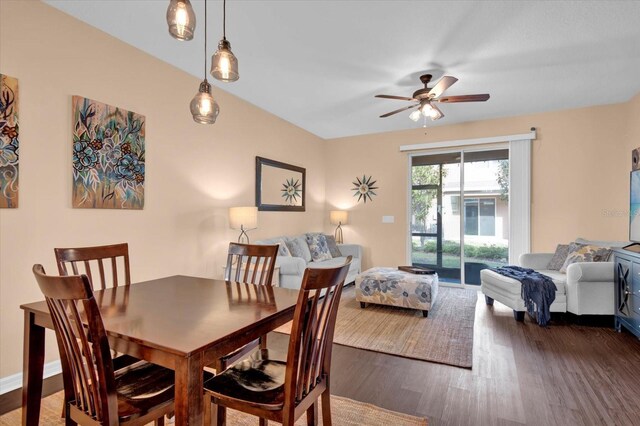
(519, 147)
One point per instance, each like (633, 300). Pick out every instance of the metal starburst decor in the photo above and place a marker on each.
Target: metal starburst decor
(364, 188)
(291, 191)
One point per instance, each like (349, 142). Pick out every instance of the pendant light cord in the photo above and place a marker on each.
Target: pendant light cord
(224, 19)
(205, 40)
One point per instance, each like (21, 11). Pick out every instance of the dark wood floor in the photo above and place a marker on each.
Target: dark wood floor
(522, 374)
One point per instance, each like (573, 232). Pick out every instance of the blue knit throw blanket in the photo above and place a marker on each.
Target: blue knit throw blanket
(538, 291)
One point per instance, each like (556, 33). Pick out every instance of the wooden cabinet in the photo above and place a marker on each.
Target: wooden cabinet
(627, 290)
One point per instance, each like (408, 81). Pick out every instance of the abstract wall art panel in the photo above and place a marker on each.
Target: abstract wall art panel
(108, 156)
(9, 156)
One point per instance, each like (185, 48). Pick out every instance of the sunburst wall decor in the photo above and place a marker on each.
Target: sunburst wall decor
(364, 188)
(291, 190)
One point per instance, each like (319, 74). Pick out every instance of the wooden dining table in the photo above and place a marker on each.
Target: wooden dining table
(179, 322)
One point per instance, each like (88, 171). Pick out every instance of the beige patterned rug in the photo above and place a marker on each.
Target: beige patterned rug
(344, 412)
(445, 337)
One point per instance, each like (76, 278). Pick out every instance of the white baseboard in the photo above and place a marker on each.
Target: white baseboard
(13, 382)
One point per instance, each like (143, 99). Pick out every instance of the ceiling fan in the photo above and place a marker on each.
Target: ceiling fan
(427, 98)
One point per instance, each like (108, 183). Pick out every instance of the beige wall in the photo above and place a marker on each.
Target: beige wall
(633, 117)
(581, 163)
(194, 172)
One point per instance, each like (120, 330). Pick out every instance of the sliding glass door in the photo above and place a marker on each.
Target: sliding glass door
(460, 213)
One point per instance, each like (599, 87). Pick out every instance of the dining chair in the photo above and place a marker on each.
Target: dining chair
(250, 263)
(283, 391)
(95, 391)
(246, 264)
(81, 259)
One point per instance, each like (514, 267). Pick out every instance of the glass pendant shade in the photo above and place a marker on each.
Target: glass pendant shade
(224, 64)
(181, 20)
(435, 114)
(204, 108)
(415, 115)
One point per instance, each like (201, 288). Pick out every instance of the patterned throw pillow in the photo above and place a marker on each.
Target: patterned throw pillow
(298, 248)
(333, 246)
(283, 250)
(585, 253)
(318, 247)
(556, 262)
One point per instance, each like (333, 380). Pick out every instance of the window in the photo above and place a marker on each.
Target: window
(455, 204)
(480, 216)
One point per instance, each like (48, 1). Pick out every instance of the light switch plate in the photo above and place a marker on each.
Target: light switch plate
(388, 219)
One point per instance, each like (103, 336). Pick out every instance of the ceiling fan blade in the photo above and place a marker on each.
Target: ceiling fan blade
(442, 85)
(464, 98)
(400, 98)
(398, 110)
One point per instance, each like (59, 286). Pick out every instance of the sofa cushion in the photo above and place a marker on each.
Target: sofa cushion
(559, 279)
(333, 246)
(512, 286)
(318, 247)
(585, 253)
(559, 257)
(299, 248)
(283, 250)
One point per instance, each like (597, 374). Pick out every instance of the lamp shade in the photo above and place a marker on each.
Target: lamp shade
(204, 109)
(243, 217)
(224, 64)
(339, 217)
(181, 20)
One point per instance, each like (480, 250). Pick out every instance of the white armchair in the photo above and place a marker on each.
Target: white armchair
(585, 289)
(588, 285)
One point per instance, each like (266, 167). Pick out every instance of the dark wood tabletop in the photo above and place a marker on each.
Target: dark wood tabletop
(180, 322)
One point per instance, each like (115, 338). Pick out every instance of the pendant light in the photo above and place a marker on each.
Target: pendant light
(224, 64)
(203, 107)
(181, 20)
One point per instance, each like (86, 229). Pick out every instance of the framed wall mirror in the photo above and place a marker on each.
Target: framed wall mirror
(279, 186)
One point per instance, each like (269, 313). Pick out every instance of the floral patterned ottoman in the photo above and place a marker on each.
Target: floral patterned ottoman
(389, 286)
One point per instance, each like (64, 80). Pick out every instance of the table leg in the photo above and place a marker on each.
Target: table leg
(32, 367)
(189, 391)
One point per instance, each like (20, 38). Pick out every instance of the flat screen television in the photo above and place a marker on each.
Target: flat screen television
(634, 207)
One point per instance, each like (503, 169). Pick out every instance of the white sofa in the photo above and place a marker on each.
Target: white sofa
(586, 288)
(292, 268)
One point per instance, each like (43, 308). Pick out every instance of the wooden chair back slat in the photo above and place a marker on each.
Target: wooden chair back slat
(251, 264)
(88, 256)
(309, 355)
(87, 367)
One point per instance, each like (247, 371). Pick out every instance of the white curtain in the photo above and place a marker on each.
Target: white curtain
(519, 199)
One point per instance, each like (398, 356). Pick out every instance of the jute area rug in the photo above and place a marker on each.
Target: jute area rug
(445, 337)
(344, 412)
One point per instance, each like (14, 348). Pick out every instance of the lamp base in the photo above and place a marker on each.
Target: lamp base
(243, 238)
(338, 235)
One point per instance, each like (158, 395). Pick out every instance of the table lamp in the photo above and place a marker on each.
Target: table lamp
(244, 219)
(339, 217)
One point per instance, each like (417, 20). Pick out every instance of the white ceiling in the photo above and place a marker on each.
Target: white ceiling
(318, 64)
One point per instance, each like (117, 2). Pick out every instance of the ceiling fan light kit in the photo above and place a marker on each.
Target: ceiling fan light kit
(426, 98)
(224, 64)
(181, 20)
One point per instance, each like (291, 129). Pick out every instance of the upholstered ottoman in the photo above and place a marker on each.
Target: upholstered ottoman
(389, 286)
(508, 291)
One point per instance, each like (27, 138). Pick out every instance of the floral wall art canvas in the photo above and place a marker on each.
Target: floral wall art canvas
(108, 156)
(8, 142)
